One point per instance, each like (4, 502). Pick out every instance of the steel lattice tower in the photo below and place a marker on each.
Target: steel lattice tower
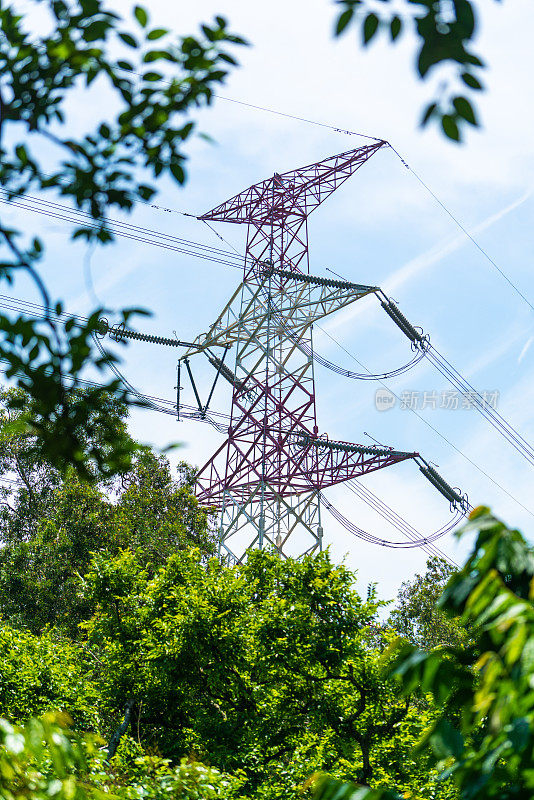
(266, 479)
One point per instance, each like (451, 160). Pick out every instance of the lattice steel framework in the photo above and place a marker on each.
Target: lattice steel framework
(266, 479)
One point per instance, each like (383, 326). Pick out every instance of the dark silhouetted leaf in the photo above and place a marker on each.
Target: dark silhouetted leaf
(343, 20)
(370, 27)
(450, 127)
(465, 110)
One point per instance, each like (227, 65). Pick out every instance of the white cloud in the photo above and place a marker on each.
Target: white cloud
(525, 349)
(426, 260)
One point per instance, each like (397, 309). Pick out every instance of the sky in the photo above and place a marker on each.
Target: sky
(381, 228)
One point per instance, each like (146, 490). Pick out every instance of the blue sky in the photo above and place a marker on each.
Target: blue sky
(380, 228)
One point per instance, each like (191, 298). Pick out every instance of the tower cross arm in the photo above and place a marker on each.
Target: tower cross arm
(297, 192)
(332, 462)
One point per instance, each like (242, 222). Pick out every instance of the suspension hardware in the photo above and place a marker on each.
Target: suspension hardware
(416, 337)
(452, 495)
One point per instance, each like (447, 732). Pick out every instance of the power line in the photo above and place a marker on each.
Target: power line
(391, 516)
(503, 427)
(429, 425)
(450, 373)
(372, 539)
(126, 230)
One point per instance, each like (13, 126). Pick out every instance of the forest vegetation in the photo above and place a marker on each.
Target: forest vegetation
(134, 664)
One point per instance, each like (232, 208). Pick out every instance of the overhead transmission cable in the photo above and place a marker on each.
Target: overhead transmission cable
(429, 425)
(495, 419)
(372, 539)
(424, 349)
(391, 516)
(127, 230)
(518, 442)
(281, 113)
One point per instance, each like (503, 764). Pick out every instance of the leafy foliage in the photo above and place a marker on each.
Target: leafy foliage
(272, 667)
(416, 616)
(42, 673)
(43, 760)
(51, 526)
(184, 677)
(154, 79)
(483, 737)
(136, 775)
(445, 33)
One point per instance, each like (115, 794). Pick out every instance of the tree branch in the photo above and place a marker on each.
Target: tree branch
(121, 730)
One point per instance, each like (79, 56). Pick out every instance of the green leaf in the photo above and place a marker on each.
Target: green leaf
(446, 740)
(450, 127)
(429, 112)
(465, 110)
(158, 55)
(22, 154)
(128, 39)
(395, 27)
(465, 17)
(178, 172)
(471, 81)
(145, 192)
(157, 33)
(370, 27)
(141, 15)
(343, 20)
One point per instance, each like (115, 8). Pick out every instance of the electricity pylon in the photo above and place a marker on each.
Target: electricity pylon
(266, 478)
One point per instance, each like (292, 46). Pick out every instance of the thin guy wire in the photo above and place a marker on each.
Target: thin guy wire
(300, 119)
(415, 174)
(464, 230)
